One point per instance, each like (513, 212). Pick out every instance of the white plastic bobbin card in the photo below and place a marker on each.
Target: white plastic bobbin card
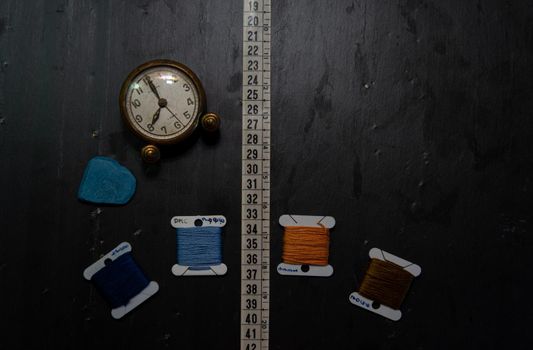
(199, 221)
(137, 300)
(308, 221)
(383, 310)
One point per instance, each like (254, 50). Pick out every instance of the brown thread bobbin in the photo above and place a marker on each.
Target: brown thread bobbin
(306, 245)
(385, 283)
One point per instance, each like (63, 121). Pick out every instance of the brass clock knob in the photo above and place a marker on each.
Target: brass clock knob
(210, 122)
(150, 154)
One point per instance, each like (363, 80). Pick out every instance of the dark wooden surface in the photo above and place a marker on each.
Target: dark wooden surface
(408, 121)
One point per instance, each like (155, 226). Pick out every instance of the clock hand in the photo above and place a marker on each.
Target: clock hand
(168, 109)
(152, 86)
(156, 116)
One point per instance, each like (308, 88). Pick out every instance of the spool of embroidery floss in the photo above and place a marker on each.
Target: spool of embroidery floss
(199, 245)
(120, 280)
(385, 284)
(306, 245)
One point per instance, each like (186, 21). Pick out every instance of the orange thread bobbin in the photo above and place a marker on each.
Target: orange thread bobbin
(304, 245)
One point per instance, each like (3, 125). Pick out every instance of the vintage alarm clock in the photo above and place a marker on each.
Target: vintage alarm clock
(162, 102)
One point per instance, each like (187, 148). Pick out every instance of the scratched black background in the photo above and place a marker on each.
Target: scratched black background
(408, 121)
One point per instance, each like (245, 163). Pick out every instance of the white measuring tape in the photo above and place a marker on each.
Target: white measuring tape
(255, 188)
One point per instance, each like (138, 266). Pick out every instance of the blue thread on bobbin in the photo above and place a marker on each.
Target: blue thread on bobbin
(120, 280)
(199, 247)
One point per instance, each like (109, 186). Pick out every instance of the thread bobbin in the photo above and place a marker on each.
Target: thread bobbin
(291, 269)
(120, 250)
(366, 303)
(198, 221)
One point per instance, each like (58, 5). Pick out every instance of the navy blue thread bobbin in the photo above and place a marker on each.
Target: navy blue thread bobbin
(120, 280)
(199, 247)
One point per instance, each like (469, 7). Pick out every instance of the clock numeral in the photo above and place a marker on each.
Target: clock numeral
(136, 103)
(189, 101)
(138, 118)
(139, 90)
(178, 125)
(186, 87)
(187, 115)
(164, 128)
(150, 127)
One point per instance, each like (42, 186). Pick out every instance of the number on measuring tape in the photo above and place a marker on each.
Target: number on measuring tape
(255, 184)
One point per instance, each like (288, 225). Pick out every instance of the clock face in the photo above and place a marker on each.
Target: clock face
(162, 103)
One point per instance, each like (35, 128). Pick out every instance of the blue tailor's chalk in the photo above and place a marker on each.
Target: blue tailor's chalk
(105, 181)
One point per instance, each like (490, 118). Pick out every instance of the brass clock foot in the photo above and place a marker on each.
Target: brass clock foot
(150, 154)
(210, 122)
